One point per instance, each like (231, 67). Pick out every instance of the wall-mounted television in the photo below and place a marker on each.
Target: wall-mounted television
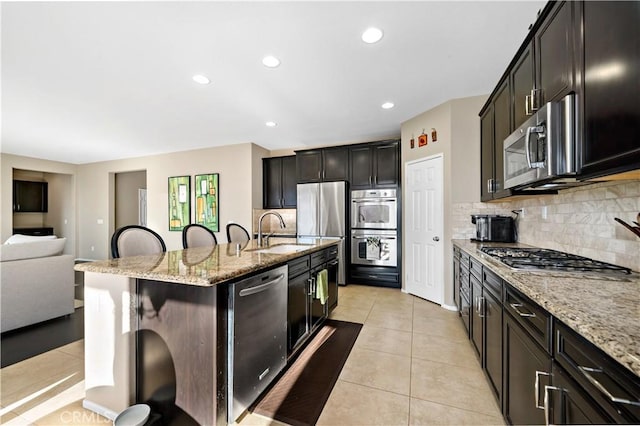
(30, 197)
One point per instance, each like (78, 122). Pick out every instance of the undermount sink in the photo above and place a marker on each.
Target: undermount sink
(282, 248)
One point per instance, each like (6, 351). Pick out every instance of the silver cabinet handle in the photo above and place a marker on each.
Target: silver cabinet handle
(324, 174)
(515, 307)
(547, 409)
(482, 306)
(536, 388)
(436, 238)
(587, 373)
(369, 179)
(310, 280)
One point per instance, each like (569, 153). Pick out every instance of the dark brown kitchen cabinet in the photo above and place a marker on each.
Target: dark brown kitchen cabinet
(279, 182)
(375, 165)
(492, 310)
(322, 165)
(477, 323)
(456, 278)
(309, 166)
(589, 386)
(555, 53)
(611, 87)
(524, 363)
(522, 83)
(568, 404)
(495, 125)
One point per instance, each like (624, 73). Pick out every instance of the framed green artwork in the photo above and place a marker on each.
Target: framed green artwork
(207, 205)
(179, 202)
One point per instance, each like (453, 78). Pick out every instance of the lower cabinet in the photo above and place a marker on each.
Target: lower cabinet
(539, 369)
(381, 276)
(305, 312)
(525, 363)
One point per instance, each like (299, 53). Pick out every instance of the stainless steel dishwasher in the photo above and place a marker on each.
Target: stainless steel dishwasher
(257, 342)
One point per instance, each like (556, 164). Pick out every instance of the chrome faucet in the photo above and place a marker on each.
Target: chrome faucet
(282, 225)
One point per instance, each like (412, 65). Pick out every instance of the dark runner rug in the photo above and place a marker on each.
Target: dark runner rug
(299, 395)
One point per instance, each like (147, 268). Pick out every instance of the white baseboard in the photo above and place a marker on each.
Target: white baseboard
(97, 408)
(450, 307)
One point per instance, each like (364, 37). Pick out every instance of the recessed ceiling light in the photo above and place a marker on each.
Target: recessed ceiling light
(271, 124)
(270, 61)
(372, 35)
(388, 105)
(201, 79)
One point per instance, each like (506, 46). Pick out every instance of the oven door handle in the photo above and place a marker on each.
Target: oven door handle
(373, 236)
(375, 201)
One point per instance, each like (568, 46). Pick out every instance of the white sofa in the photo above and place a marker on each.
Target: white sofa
(36, 281)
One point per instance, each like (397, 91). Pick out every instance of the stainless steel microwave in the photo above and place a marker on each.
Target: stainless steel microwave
(542, 152)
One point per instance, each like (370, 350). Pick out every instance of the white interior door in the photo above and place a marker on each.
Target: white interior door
(423, 246)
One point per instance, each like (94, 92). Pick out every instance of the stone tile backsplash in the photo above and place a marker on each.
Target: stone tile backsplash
(578, 221)
(271, 224)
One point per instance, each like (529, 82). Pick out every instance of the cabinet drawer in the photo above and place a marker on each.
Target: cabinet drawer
(332, 253)
(492, 283)
(475, 267)
(530, 315)
(464, 259)
(377, 276)
(318, 258)
(610, 384)
(298, 266)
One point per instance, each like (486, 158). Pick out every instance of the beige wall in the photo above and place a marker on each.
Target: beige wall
(458, 133)
(238, 191)
(126, 196)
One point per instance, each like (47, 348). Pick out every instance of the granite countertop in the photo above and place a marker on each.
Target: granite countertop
(203, 266)
(603, 308)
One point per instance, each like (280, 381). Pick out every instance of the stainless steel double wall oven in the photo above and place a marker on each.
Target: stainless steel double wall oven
(374, 227)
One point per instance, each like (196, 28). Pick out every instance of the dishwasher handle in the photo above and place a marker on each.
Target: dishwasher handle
(260, 288)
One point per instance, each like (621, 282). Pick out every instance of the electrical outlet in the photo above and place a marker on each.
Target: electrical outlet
(522, 212)
(93, 248)
(544, 212)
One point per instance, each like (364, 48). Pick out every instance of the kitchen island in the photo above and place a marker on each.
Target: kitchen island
(156, 327)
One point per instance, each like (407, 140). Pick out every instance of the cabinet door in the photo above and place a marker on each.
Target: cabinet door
(386, 165)
(335, 164)
(477, 317)
(486, 154)
(501, 129)
(361, 161)
(332, 269)
(317, 311)
(611, 87)
(493, 342)
(289, 182)
(297, 307)
(309, 166)
(554, 44)
(522, 83)
(271, 183)
(456, 280)
(570, 404)
(522, 358)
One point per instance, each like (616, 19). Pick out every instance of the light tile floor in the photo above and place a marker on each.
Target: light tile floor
(411, 365)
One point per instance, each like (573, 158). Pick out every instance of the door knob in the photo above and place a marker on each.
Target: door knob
(436, 239)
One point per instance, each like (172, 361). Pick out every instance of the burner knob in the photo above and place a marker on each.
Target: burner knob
(436, 239)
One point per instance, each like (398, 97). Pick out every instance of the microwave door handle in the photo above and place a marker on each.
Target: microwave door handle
(527, 145)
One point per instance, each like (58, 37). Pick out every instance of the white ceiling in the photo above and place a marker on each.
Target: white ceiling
(93, 81)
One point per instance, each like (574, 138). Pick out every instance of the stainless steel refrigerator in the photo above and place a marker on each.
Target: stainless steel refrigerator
(322, 214)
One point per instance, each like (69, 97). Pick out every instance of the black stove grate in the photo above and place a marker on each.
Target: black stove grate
(547, 259)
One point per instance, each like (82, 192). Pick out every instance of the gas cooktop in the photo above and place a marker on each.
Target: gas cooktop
(547, 259)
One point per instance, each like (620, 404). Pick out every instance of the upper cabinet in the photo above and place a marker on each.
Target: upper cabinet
(279, 182)
(611, 87)
(322, 165)
(587, 48)
(495, 125)
(375, 165)
(555, 54)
